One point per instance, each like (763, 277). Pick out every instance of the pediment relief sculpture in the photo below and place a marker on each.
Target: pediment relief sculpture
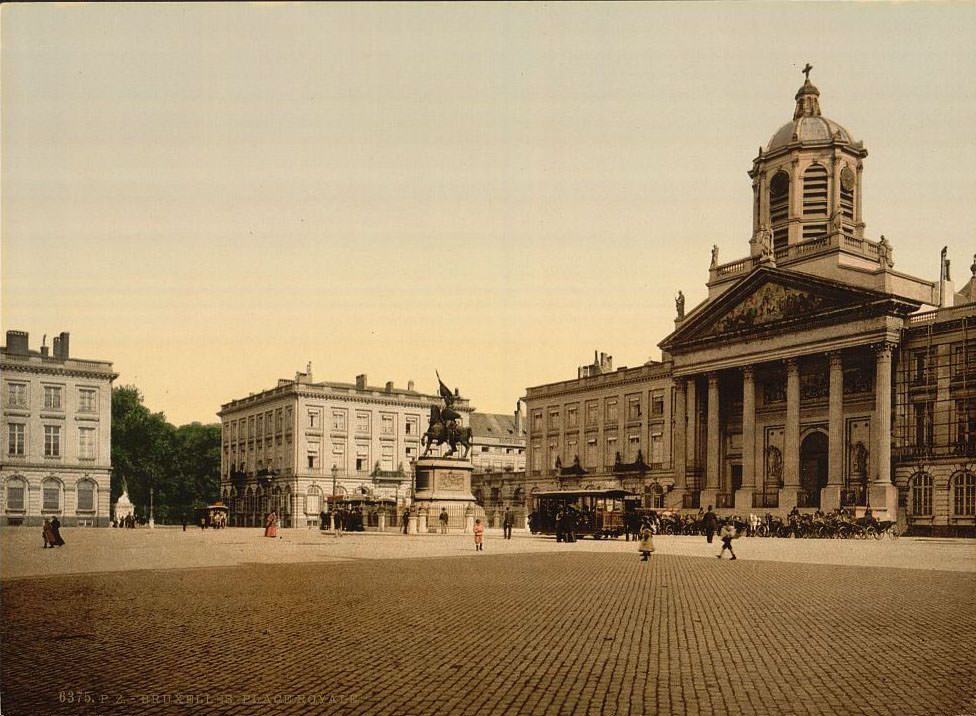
(771, 303)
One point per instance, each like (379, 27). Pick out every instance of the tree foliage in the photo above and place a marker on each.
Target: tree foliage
(181, 465)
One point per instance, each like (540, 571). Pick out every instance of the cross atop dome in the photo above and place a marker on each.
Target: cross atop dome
(807, 102)
(806, 71)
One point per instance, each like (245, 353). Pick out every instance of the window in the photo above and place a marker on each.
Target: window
(17, 395)
(657, 448)
(362, 458)
(633, 407)
(16, 439)
(592, 412)
(52, 441)
(572, 416)
(86, 443)
(964, 495)
(966, 427)
(52, 397)
(411, 426)
(362, 422)
(339, 420)
(611, 410)
(86, 400)
(51, 495)
(313, 500)
(313, 419)
(590, 455)
(536, 421)
(921, 488)
(633, 446)
(611, 455)
(86, 496)
(554, 418)
(657, 402)
(15, 495)
(388, 426)
(386, 457)
(923, 423)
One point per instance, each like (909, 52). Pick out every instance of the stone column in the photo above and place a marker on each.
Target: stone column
(743, 497)
(713, 444)
(830, 495)
(691, 427)
(884, 495)
(791, 437)
(679, 448)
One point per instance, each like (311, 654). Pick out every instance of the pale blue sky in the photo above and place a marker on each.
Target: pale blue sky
(212, 195)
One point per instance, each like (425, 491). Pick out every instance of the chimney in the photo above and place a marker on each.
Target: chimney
(61, 345)
(44, 346)
(947, 292)
(17, 343)
(409, 385)
(389, 386)
(518, 418)
(361, 381)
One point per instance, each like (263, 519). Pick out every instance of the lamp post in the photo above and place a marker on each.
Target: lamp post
(335, 472)
(152, 522)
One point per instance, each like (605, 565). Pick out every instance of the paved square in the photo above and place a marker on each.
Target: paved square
(531, 628)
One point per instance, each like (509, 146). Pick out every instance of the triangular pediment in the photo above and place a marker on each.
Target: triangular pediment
(771, 299)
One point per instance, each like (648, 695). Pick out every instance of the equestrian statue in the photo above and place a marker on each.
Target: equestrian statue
(445, 425)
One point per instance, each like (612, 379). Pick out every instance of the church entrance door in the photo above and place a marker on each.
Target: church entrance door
(813, 467)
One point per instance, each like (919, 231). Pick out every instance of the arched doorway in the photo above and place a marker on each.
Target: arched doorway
(813, 466)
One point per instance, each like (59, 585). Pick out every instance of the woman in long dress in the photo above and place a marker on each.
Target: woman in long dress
(271, 525)
(645, 544)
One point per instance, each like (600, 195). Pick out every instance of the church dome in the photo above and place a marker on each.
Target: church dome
(808, 125)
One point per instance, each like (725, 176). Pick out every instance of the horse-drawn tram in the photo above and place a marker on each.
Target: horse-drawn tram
(570, 514)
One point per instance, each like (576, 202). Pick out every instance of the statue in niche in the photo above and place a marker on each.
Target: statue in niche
(774, 466)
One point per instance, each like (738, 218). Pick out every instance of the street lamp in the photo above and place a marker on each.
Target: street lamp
(152, 522)
(335, 472)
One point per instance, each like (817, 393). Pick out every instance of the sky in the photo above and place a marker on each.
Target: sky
(212, 196)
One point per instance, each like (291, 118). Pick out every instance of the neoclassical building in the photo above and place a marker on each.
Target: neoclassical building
(289, 447)
(57, 426)
(814, 375)
(498, 458)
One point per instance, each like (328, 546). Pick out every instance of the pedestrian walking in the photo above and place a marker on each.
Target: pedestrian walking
(727, 534)
(56, 529)
(183, 521)
(479, 536)
(444, 518)
(48, 534)
(406, 520)
(507, 524)
(710, 522)
(645, 542)
(339, 523)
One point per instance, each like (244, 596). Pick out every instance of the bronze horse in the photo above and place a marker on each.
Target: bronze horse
(450, 432)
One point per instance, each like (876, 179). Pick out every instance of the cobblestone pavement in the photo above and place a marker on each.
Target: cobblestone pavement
(564, 631)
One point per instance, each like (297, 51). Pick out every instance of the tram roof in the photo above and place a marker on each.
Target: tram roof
(616, 493)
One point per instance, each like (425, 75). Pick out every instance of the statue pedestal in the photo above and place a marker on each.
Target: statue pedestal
(445, 484)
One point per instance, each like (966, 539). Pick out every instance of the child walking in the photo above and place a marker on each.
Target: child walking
(645, 543)
(479, 536)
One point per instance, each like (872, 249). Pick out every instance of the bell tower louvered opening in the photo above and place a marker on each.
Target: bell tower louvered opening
(779, 209)
(814, 201)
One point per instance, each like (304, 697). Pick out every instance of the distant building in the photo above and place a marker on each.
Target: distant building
(284, 448)
(57, 425)
(814, 375)
(498, 456)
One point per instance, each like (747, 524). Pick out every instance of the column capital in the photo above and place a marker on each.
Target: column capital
(712, 376)
(792, 365)
(835, 359)
(883, 349)
(748, 372)
(680, 381)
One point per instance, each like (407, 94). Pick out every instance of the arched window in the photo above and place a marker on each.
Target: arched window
(51, 495)
(779, 208)
(814, 200)
(313, 501)
(85, 490)
(964, 495)
(921, 490)
(16, 497)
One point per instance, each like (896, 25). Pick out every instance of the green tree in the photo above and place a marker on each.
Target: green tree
(197, 466)
(142, 450)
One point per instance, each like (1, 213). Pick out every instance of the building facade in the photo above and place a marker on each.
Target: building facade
(288, 448)
(814, 375)
(57, 424)
(498, 457)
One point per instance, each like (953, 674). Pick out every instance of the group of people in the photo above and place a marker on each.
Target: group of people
(711, 523)
(128, 521)
(52, 533)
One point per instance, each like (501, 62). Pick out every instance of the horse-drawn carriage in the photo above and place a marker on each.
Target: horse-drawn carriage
(570, 514)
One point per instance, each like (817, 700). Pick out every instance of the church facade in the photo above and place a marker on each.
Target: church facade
(815, 374)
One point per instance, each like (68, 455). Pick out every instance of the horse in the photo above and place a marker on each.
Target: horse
(439, 433)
